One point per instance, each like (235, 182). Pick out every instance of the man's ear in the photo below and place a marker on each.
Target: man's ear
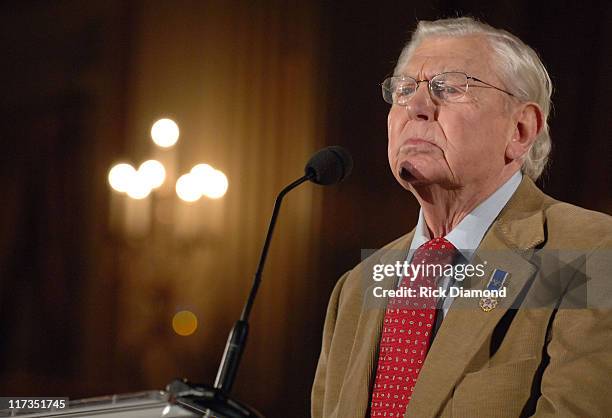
(529, 123)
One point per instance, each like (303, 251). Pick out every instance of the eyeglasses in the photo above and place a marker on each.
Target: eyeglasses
(445, 87)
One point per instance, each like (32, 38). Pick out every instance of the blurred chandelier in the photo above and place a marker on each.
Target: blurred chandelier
(201, 180)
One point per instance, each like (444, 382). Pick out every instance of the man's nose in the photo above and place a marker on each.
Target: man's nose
(421, 106)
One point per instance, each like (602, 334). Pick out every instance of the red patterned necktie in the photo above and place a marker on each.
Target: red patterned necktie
(406, 334)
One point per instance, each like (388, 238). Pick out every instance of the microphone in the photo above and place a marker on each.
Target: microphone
(330, 165)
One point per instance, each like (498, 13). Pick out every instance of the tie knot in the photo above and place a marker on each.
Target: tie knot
(438, 244)
(437, 250)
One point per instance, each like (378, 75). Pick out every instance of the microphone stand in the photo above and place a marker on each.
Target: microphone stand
(210, 401)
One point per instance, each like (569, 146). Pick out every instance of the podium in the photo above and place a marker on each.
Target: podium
(147, 404)
(180, 400)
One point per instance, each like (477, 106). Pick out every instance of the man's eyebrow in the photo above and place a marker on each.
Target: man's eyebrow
(451, 70)
(431, 73)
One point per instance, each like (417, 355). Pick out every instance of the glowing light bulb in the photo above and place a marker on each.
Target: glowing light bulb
(216, 186)
(187, 188)
(153, 173)
(202, 172)
(213, 183)
(165, 133)
(139, 187)
(120, 177)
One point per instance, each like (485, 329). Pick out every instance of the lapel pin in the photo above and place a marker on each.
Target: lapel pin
(496, 281)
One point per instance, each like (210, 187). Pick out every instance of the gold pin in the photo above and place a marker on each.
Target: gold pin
(496, 281)
(488, 304)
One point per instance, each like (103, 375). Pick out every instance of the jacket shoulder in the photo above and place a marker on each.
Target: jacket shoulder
(569, 225)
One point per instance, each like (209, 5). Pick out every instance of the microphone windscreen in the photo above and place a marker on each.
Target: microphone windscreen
(329, 165)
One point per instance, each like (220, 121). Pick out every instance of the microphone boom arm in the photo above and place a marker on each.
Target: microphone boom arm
(238, 336)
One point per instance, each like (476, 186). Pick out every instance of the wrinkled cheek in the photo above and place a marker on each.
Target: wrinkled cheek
(393, 145)
(389, 119)
(390, 152)
(395, 124)
(391, 142)
(390, 132)
(391, 138)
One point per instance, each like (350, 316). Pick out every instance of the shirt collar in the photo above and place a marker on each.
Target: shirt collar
(467, 236)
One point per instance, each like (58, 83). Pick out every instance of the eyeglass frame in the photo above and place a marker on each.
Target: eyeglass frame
(429, 85)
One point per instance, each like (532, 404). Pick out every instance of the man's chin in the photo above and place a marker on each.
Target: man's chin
(408, 173)
(411, 178)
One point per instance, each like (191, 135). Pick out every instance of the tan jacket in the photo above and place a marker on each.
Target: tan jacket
(542, 359)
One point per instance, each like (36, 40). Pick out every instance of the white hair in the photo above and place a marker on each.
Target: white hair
(520, 69)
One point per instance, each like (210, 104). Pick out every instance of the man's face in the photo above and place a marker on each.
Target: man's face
(457, 144)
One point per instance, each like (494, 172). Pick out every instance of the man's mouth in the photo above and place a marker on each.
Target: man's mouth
(414, 141)
(415, 145)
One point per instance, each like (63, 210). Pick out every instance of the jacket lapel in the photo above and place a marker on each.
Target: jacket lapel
(466, 326)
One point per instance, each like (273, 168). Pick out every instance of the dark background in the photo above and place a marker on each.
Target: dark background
(85, 310)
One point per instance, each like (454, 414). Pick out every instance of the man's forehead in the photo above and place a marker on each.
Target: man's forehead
(436, 55)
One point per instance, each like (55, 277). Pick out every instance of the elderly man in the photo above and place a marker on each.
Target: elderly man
(468, 136)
